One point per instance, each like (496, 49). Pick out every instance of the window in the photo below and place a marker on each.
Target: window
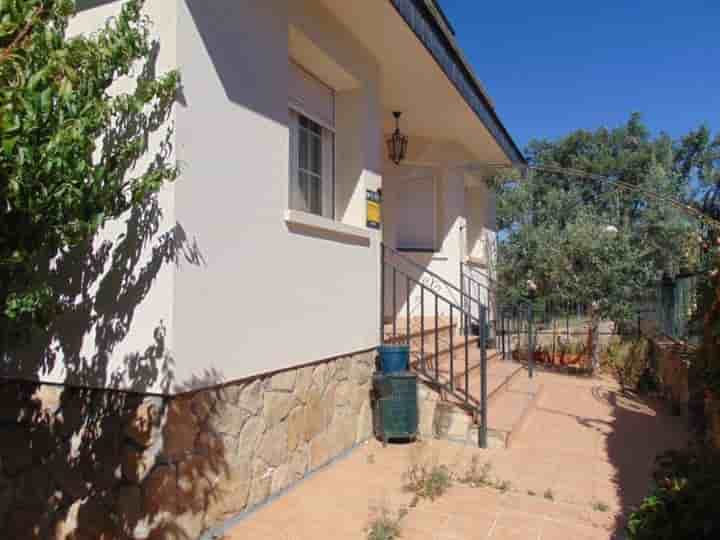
(312, 144)
(312, 175)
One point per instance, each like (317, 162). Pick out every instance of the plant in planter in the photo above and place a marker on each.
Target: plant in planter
(570, 353)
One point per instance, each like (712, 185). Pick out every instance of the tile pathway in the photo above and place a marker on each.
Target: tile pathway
(584, 444)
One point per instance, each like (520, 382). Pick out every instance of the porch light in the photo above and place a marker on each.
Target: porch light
(397, 143)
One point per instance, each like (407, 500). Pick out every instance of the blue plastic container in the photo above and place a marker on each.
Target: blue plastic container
(394, 358)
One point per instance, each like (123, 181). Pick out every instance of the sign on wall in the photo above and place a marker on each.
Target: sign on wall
(374, 215)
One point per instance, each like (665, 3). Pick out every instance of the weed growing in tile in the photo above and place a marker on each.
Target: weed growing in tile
(600, 506)
(480, 476)
(477, 475)
(426, 482)
(503, 486)
(385, 525)
(549, 495)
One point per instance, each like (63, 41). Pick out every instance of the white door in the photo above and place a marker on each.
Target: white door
(416, 215)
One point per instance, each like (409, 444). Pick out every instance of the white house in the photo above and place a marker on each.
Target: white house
(225, 350)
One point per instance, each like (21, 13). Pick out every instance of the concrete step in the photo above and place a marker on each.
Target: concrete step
(511, 397)
(418, 329)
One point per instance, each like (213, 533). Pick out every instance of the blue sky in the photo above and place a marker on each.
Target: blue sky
(555, 66)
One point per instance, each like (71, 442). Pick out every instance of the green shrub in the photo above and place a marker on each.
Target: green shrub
(627, 360)
(685, 503)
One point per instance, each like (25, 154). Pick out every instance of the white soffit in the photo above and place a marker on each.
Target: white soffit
(412, 81)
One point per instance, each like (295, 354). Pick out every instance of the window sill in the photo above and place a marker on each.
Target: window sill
(417, 250)
(434, 255)
(336, 228)
(477, 261)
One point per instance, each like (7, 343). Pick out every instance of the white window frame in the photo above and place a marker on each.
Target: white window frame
(327, 174)
(328, 152)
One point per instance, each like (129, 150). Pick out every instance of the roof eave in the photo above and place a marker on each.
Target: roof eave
(428, 22)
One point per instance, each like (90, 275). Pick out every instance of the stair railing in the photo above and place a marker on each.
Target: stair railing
(471, 285)
(397, 284)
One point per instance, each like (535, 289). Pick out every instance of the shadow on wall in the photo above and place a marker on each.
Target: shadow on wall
(99, 289)
(90, 464)
(99, 284)
(233, 24)
(81, 463)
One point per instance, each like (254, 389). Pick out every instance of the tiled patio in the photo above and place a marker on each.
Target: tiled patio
(583, 445)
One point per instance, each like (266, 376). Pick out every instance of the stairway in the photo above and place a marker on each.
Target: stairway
(511, 394)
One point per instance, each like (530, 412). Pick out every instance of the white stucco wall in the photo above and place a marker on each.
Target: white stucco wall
(269, 295)
(220, 286)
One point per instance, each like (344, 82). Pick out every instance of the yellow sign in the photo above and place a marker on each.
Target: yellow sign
(374, 215)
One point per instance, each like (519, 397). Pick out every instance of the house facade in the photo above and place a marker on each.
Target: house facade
(224, 348)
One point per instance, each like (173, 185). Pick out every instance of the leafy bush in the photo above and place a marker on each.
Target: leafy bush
(685, 503)
(627, 360)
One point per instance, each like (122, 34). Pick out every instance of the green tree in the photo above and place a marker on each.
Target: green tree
(70, 142)
(583, 240)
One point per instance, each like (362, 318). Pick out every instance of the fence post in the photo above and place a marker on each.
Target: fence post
(482, 432)
(531, 355)
(502, 333)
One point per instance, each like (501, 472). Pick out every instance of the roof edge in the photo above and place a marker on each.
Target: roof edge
(427, 20)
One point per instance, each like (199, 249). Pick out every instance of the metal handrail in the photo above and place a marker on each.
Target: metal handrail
(432, 274)
(450, 303)
(464, 314)
(474, 269)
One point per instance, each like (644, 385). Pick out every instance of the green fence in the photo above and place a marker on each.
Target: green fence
(676, 307)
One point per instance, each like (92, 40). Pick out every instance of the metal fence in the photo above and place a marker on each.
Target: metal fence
(675, 310)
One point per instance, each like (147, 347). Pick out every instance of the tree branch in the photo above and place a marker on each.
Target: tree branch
(5, 54)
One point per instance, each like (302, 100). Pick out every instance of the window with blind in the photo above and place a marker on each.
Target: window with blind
(312, 144)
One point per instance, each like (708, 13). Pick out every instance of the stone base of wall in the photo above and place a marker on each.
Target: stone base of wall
(98, 464)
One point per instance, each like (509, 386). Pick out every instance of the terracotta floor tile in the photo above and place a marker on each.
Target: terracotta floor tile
(514, 533)
(562, 531)
(585, 441)
(514, 519)
(468, 527)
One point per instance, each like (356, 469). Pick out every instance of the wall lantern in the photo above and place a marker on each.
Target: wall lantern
(397, 143)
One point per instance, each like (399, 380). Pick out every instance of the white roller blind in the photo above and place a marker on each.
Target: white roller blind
(416, 215)
(311, 97)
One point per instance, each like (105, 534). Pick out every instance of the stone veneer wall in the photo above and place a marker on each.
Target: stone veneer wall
(99, 464)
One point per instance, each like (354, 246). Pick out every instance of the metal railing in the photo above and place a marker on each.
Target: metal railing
(431, 279)
(481, 293)
(398, 285)
(516, 321)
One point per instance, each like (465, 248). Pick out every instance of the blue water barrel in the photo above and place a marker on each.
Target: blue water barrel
(394, 358)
